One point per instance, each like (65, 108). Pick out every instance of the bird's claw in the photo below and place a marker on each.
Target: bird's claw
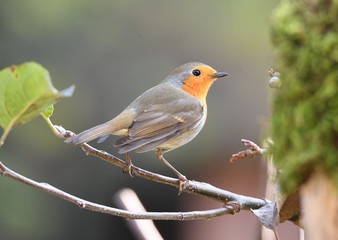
(130, 165)
(236, 207)
(129, 170)
(182, 181)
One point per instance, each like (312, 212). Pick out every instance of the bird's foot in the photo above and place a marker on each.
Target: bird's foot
(130, 165)
(183, 182)
(236, 207)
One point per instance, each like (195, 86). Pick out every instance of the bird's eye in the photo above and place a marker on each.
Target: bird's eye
(196, 72)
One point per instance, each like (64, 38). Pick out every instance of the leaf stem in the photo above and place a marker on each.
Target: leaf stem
(50, 124)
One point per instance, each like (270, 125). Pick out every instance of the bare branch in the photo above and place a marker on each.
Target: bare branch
(253, 150)
(189, 186)
(233, 202)
(194, 215)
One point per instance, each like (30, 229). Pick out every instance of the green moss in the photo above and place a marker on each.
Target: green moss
(304, 124)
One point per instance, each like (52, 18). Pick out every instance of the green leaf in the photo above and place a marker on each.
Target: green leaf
(25, 91)
(48, 112)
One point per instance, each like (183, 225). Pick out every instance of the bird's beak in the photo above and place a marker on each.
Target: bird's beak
(219, 75)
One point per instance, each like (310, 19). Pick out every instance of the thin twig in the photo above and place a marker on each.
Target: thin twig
(253, 150)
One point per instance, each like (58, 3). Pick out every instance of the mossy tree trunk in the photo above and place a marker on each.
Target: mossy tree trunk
(304, 124)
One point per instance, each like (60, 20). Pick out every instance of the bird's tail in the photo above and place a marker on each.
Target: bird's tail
(90, 134)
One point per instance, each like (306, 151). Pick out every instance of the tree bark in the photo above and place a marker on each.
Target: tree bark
(320, 206)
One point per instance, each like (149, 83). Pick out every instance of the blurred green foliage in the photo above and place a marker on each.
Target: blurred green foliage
(305, 122)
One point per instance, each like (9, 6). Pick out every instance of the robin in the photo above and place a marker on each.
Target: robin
(163, 118)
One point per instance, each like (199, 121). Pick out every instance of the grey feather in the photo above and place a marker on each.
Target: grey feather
(156, 129)
(126, 144)
(90, 134)
(103, 138)
(155, 144)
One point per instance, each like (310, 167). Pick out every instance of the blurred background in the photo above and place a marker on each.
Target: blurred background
(113, 51)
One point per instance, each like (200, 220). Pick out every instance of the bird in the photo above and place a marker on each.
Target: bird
(163, 118)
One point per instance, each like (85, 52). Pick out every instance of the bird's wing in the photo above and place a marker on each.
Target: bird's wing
(153, 126)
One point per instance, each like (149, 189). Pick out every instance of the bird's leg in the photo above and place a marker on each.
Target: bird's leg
(180, 176)
(128, 160)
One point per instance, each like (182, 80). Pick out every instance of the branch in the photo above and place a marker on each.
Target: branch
(194, 215)
(189, 186)
(127, 199)
(233, 202)
(253, 150)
